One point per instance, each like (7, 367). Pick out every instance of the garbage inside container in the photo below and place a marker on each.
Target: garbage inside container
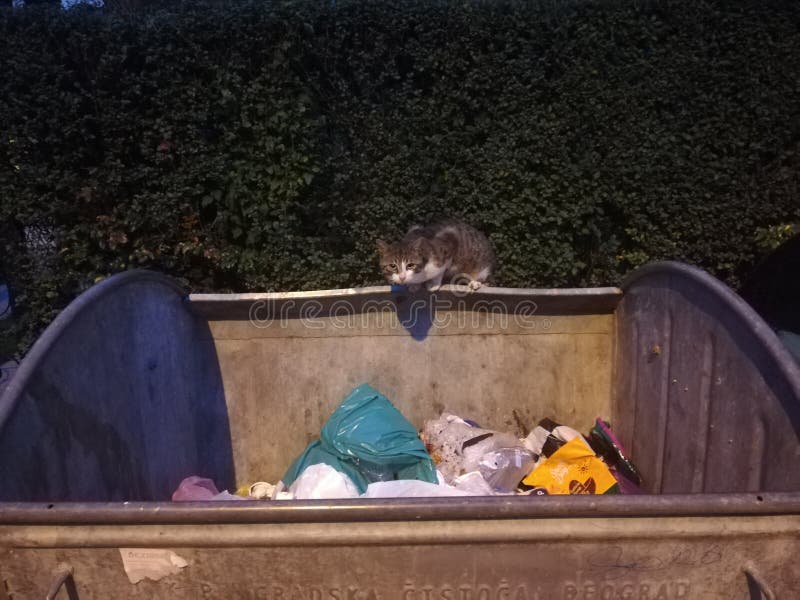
(470, 460)
(606, 445)
(368, 440)
(504, 468)
(322, 482)
(201, 489)
(495, 462)
(573, 469)
(412, 489)
(548, 436)
(367, 449)
(458, 447)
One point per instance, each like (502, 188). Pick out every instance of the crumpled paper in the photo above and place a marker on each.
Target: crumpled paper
(150, 563)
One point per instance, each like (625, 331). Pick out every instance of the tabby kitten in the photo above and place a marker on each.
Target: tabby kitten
(449, 251)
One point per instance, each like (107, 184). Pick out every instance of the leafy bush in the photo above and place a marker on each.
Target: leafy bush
(265, 146)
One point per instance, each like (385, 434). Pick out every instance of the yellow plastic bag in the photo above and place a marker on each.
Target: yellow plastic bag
(573, 469)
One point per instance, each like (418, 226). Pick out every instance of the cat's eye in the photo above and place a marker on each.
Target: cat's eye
(393, 267)
(411, 266)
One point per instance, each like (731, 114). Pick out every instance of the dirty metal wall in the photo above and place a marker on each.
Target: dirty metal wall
(116, 401)
(283, 378)
(707, 399)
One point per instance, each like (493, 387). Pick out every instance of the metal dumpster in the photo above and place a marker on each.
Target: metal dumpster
(137, 385)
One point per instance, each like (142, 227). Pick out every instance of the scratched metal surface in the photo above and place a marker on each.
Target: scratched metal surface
(707, 399)
(116, 400)
(7, 371)
(570, 559)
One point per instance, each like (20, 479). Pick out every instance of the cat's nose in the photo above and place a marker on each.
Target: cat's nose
(402, 277)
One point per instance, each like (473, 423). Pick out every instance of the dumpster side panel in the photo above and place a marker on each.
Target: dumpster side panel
(706, 398)
(119, 400)
(569, 559)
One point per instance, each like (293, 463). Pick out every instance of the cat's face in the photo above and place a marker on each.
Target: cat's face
(404, 263)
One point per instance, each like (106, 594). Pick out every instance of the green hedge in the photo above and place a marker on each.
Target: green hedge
(264, 146)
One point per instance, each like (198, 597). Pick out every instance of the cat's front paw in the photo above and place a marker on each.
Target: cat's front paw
(475, 285)
(413, 287)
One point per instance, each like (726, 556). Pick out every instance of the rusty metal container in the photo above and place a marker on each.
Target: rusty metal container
(137, 385)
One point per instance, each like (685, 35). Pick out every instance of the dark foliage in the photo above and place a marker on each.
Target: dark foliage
(264, 146)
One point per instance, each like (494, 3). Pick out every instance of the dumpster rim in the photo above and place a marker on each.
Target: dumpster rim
(401, 509)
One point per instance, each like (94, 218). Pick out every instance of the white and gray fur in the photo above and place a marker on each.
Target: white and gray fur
(450, 251)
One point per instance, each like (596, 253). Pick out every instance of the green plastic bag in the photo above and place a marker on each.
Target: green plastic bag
(368, 440)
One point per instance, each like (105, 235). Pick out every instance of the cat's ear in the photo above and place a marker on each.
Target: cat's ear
(382, 246)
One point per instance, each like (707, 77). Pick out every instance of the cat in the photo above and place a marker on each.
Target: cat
(447, 251)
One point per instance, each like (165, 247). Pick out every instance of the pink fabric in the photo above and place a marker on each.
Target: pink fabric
(195, 488)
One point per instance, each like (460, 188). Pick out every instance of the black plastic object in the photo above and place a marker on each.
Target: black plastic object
(773, 288)
(609, 449)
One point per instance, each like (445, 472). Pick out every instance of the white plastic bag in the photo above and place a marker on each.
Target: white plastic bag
(458, 447)
(504, 468)
(322, 482)
(538, 437)
(410, 488)
(474, 484)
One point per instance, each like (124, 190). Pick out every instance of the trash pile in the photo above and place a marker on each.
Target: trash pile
(367, 449)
